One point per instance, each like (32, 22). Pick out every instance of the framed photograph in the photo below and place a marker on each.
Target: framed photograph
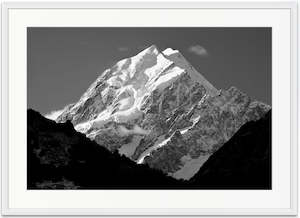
(149, 108)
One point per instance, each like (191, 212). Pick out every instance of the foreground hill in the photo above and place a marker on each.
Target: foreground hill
(61, 158)
(243, 162)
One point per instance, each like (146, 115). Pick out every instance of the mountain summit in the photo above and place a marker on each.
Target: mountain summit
(155, 108)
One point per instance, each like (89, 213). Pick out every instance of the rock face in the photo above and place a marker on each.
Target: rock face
(155, 108)
(202, 131)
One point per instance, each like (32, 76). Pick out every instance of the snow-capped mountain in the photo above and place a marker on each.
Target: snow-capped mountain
(155, 108)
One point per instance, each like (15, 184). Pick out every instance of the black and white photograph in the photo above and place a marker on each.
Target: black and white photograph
(149, 108)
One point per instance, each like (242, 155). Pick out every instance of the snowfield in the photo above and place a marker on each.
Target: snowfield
(136, 78)
(54, 114)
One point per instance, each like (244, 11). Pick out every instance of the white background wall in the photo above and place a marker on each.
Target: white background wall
(173, 1)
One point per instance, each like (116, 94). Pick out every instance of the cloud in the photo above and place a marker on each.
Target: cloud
(123, 49)
(198, 50)
(54, 114)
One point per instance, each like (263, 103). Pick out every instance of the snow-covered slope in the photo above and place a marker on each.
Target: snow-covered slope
(119, 93)
(156, 108)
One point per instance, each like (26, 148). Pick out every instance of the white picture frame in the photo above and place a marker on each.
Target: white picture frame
(9, 195)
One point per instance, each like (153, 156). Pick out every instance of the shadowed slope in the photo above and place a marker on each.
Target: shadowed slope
(244, 162)
(61, 158)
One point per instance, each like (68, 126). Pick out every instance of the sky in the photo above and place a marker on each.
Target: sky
(63, 62)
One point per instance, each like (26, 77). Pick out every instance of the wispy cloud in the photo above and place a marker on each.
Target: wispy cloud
(198, 50)
(123, 49)
(54, 114)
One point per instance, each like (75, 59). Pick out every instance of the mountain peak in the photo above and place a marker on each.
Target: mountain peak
(176, 57)
(153, 49)
(135, 78)
(154, 102)
(170, 51)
